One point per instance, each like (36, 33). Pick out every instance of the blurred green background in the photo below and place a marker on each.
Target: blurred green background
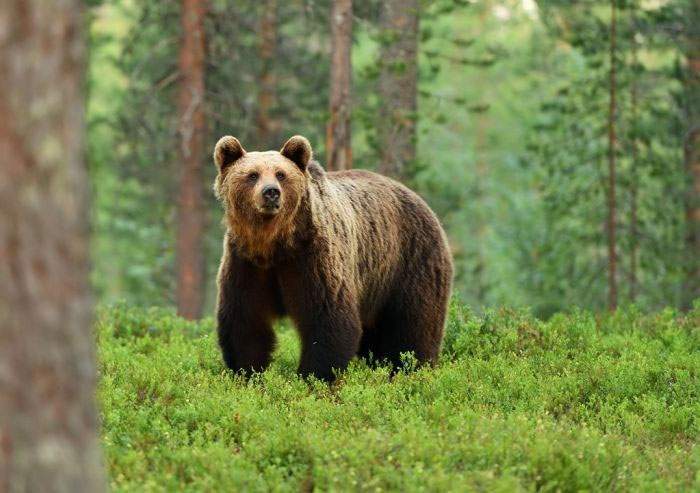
(513, 147)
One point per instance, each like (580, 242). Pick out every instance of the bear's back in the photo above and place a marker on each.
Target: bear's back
(386, 231)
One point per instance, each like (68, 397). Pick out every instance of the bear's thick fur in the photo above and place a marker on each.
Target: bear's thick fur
(358, 262)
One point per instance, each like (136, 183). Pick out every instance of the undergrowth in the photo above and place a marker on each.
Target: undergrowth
(579, 402)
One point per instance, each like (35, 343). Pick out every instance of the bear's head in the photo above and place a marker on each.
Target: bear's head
(261, 192)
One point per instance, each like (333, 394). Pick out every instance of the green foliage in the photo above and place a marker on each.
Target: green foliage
(566, 262)
(511, 151)
(516, 404)
(134, 150)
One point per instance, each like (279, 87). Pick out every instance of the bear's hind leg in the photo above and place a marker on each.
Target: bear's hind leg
(329, 339)
(367, 344)
(410, 324)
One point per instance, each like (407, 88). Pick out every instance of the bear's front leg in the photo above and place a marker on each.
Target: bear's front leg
(245, 312)
(329, 341)
(246, 343)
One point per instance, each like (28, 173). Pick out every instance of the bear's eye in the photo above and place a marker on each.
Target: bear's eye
(253, 176)
(280, 176)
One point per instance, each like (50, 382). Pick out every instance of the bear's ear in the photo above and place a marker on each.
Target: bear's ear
(227, 151)
(298, 149)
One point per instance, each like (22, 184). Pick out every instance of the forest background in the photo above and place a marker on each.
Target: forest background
(556, 140)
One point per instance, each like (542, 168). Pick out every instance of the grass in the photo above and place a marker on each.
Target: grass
(575, 403)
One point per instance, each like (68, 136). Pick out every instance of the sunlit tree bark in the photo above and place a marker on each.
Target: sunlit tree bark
(267, 44)
(338, 149)
(191, 212)
(398, 85)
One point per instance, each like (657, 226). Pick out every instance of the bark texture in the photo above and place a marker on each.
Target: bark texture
(191, 218)
(338, 148)
(267, 47)
(48, 422)
(398, 84)
(691, 289)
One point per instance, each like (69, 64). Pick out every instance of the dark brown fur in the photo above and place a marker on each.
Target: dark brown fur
(358, 261)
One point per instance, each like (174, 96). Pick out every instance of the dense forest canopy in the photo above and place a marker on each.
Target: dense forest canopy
(556, 140)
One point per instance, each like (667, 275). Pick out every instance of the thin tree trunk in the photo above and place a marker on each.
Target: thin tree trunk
(612, 152)
(634, 186)
(398, 85)
(338, 149)
(267, 35)
(481, 180)
(190, 257)
(480, 277)
(48, 422)
(691, 289)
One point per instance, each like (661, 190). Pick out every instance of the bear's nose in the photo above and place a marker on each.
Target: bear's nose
(271, 193)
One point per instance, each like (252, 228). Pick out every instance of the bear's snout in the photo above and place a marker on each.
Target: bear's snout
(271, 197)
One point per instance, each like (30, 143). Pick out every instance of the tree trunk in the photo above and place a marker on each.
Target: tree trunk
(267, 36)
(398, 85)
(480, 198)
(481, 181)
(634, 185)
(612, 154)
(691, 289)
(190, 257)
(338, 148)
(48, 422)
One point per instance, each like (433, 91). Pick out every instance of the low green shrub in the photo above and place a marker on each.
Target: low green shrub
(579, 402)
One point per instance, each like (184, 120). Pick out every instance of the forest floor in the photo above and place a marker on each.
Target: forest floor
(579, 402)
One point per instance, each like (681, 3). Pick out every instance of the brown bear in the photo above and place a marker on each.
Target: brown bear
(358, 262)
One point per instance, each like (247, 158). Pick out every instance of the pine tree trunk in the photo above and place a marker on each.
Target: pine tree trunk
(634, 185)
(48, 422)
(398, 85)
(267, 35)
(338, 148)
(612, 154)
(480, 181)
(191, 218)
(691, 289)
(480, 222)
